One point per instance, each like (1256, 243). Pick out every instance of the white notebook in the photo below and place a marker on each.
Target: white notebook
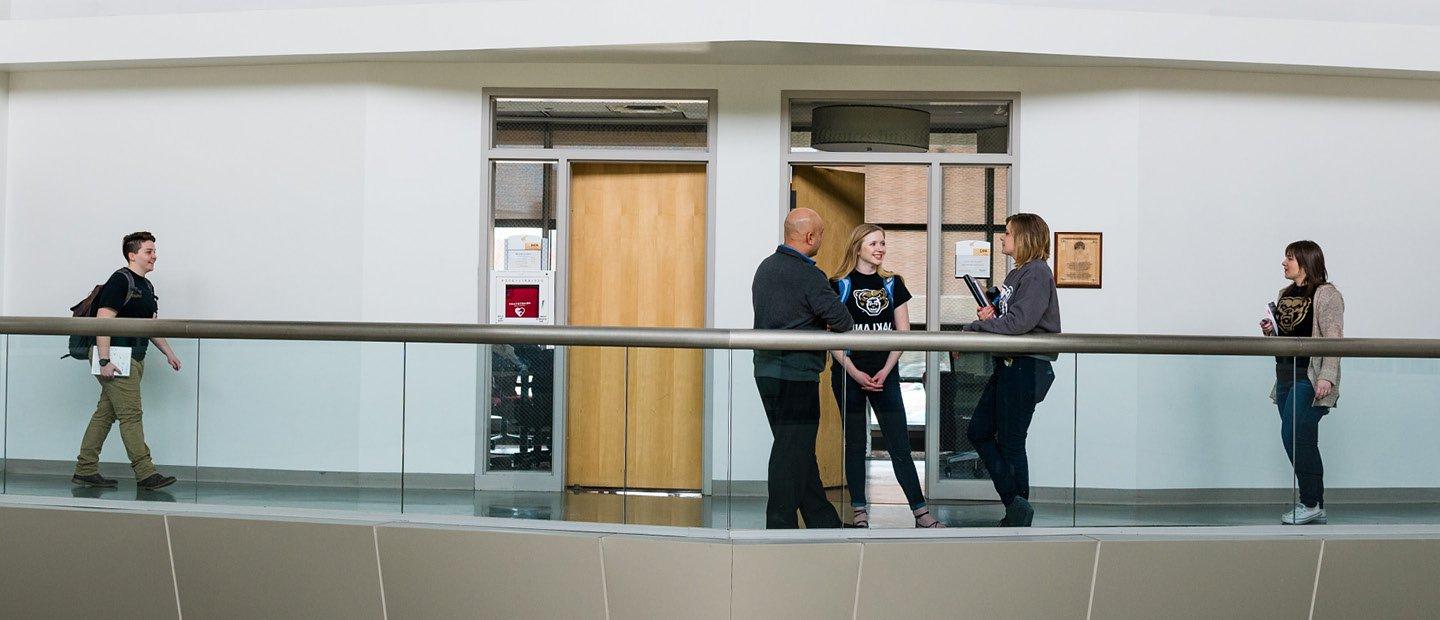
(119, 356)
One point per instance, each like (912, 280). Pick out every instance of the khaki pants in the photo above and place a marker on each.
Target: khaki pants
(119, 400)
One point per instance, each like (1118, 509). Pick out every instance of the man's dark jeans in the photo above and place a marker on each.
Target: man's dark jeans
(1300, 430)
(1002, 422)
(793, 409)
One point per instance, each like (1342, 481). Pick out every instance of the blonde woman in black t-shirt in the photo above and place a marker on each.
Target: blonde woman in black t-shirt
(876, 300)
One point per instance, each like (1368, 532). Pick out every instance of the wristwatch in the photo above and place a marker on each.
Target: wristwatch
(104, 361)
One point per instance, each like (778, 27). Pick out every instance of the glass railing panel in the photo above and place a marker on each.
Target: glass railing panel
(596, 383)
(788, 446)
(443, 429)
(749, 443)
(296, 424)
(1376, 461)
(884, 405)
(55, 409)
(987, 420)
(670, 400)
(1179, 440)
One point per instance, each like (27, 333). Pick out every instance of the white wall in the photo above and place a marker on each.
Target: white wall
(4, 163)
(352, 192)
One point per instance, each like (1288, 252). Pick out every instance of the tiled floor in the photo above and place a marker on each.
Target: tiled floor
(887, 510)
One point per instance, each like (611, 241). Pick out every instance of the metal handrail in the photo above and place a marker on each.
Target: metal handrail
(682, 338)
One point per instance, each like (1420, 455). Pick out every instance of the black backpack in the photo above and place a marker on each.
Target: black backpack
(80, 345)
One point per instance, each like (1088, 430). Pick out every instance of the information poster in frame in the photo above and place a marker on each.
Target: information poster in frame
(1078, 259)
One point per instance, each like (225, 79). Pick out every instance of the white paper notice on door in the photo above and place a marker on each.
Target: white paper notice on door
(972, 258)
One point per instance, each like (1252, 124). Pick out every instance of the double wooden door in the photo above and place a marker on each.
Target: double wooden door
(637, 248)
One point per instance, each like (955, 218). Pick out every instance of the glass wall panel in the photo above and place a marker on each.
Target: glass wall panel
(523, 199)
(973, 209)
(52, 403)
(874, 456)
(518, 433)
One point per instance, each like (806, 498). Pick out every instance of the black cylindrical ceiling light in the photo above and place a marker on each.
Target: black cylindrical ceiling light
(850, 128)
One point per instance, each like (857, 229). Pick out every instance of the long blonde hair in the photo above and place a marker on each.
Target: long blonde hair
(852, 252)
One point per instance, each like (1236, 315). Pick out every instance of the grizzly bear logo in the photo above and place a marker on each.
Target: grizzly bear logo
(871, 301)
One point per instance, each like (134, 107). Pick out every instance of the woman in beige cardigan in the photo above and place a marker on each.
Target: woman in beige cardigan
(1306, 388)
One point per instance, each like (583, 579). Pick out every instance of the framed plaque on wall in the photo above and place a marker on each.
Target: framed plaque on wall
(1078, 259)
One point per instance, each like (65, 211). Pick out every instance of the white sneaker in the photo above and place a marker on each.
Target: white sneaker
(1302, 514)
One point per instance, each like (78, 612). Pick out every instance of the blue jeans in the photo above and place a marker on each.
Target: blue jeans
(890, 412)
(1300, 431)
(1002, 421)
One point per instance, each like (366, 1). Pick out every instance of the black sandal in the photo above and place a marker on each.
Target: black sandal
(934, 524)
(860, 518)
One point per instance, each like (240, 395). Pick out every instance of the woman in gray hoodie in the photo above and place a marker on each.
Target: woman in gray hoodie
(1026, 304)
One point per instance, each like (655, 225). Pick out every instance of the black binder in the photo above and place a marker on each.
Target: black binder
(980, 299)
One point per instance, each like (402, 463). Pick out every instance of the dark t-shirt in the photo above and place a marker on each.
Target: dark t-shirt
(1295, 316)
(872, 310)
(141, 304)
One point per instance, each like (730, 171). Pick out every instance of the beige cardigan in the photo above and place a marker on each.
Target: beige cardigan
(1329, 323)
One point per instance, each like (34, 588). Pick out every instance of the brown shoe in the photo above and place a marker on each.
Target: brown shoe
(155, 481)
(93, 480)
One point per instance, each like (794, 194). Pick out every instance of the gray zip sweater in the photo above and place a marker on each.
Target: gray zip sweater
(1033, 306)
(790, 292)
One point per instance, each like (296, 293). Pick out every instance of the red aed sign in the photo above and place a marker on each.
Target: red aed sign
(522, 301)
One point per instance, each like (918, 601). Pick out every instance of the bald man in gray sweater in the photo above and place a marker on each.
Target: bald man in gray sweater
(790, 292)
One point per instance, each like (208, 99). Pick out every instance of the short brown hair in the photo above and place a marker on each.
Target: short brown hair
(133, 241)
(1032, 237)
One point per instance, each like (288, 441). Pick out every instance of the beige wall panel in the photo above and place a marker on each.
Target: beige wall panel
(248, 568)
(455, 573)
(1020, 579)
(789, 581)
(652, 577)
(58, 563)
(1205, 578)
(1379, 579)
(637, 259)
(839, 197)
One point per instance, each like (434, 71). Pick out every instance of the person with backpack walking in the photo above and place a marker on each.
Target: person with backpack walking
(127, 294)
(876, 299)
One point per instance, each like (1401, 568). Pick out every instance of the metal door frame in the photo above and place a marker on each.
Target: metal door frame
(935, 488)
(554, 480)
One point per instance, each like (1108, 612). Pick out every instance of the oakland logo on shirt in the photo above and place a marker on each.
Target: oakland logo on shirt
(872, 302)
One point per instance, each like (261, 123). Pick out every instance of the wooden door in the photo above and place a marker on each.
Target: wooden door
(838, 195)
(637, 259)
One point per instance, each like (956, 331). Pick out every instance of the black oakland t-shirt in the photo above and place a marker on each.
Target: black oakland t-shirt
(872, 309)
(139, 304)
(1295, 316)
